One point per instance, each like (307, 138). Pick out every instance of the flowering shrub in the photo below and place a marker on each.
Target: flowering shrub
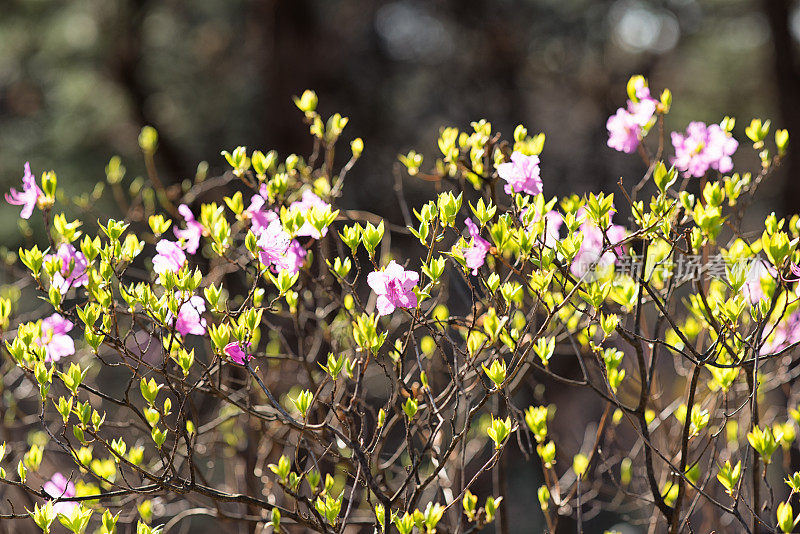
(277, 363)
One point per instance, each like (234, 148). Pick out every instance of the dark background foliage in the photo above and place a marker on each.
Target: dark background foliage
(79, 79)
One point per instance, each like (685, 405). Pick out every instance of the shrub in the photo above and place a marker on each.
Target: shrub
(276, 361)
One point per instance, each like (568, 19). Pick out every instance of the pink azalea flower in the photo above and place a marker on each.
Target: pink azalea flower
(785, 334)
(553, 223)
(752, 285)
(591, 254)
(625, 127)
(308, 201)
(235, 352)
(617, 234)
(273, 244)
(29, 195)
(642, 111)
(475, 254)
(521, 174)
(623, 131)
(73, 268)
(190, 319)
(59, 487)
(170, 257)
(295, 257)
(394, 287)
(55, 340)
(259, 217)
(703, 147)
(192, 233)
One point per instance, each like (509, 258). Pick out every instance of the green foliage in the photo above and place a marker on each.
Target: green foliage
(260, 332)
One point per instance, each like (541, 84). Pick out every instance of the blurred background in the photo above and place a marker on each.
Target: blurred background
(79, 79)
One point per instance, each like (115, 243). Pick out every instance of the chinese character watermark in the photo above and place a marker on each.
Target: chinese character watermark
(683, 268)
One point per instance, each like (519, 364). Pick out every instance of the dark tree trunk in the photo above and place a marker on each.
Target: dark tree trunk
(125, 66)
(787, 81)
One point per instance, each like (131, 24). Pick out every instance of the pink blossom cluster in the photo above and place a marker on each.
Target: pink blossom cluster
(259, 216)
(54, 338)
(72, 272)
(28, 197)
(273, 243)
(237, 353)
(787, 331)
(170, 257)
(782, 335)
(703, 148)
(591, 253)
(475, 253)
(190, 317)
(553, 223)
(295, 257)
(307, 201)
(190, 236)
(394, 287)
(59, 487)
(625, 127)
(752, 286)
(277, 249)
(521, 174)
(552, 226)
